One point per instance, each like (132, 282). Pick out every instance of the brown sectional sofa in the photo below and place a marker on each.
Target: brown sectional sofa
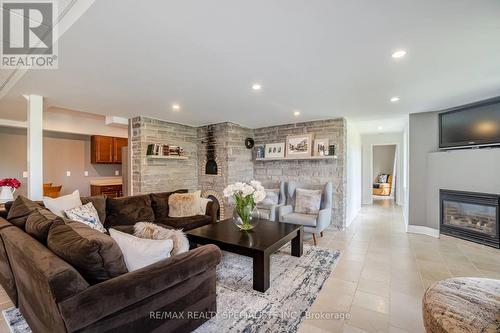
(54, 296)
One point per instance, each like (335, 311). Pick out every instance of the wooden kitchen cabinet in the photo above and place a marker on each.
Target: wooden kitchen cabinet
(119, 143)
(107, 149)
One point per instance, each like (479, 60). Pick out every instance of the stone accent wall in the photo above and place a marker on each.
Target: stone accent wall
(311, 172)
(162, 175)
(239, 158)
(234, 160)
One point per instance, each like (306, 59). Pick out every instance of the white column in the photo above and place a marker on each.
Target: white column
(35, 147)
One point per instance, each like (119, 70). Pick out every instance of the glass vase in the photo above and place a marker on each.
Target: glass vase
(245, 217)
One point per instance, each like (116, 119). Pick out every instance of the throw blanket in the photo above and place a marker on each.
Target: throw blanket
(152, 231)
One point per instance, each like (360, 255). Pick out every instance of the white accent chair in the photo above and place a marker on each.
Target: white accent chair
(313, 223)
(270, 211)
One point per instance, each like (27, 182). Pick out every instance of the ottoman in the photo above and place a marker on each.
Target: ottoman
(465, 305)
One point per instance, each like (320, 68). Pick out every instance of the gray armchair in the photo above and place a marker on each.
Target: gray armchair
(270, 211)
(313, 223)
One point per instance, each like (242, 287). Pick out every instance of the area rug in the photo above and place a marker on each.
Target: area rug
(295, 284)
(15, 321)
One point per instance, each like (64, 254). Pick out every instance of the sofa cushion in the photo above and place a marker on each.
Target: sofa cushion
(185, 223)
(128, 210)
(21, 208)
(159, 202)
(94, 254)
(99, 202)
(302, 219)
(39, 222)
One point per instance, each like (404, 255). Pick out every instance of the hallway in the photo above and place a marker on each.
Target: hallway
(383, 272)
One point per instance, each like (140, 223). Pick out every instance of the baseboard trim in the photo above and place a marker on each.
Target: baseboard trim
(418, 229)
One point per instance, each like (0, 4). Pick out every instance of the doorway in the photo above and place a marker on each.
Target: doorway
(384, 174)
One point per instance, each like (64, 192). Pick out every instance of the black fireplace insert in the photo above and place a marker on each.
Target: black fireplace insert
(471, 216)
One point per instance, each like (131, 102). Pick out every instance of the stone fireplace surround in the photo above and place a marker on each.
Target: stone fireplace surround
(234, 161)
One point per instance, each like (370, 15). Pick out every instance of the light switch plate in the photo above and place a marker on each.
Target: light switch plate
(86, 173)
(117, 173)
(25, 174)
(68, 173)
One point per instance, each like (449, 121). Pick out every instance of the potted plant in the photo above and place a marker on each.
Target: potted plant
(7, 188)
(245, 196)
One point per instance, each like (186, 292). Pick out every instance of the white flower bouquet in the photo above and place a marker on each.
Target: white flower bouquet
(246, 196)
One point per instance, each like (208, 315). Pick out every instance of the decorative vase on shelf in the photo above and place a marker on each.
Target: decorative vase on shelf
(245, 197)
(6, 194)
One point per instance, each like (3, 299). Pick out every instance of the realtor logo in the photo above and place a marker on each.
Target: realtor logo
(28, 35)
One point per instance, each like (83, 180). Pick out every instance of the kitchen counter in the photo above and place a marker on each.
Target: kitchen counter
(107, 181)
(112, 187)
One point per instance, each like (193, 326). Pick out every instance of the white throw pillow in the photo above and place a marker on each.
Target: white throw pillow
(59, 205)
(203, 205)
(86, 214)
(139, 252)
(307, 201)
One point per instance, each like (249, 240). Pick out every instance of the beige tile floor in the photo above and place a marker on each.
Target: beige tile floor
(383, 271)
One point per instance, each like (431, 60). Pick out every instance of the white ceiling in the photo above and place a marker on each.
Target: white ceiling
(326, 58)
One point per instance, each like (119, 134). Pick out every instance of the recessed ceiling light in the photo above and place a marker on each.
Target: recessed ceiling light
(399, 54)
(296, 113)
(176, 107)
(380, 128)
(395, 99)
(256, 86)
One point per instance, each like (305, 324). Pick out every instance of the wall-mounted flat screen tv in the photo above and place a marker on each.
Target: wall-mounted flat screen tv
(475, 124)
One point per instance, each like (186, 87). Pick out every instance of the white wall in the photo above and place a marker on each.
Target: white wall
(353, 168)
(406, 176)
(61, 152)
(383, 160)
(423, 139)
(370, 140)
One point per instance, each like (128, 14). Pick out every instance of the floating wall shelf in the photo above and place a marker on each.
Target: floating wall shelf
(166, 157)
(329, 157)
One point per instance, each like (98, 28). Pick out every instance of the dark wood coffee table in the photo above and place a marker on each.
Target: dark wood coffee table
(265, 239)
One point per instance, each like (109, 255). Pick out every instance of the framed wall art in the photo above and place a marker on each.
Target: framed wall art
(275, 150)
(299, 145)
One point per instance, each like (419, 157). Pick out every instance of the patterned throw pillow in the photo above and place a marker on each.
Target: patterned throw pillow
(383, 178)
(86, 214)
(307, 201)
(272, 197)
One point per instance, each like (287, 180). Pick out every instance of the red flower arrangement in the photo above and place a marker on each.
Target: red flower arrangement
(10, 182)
